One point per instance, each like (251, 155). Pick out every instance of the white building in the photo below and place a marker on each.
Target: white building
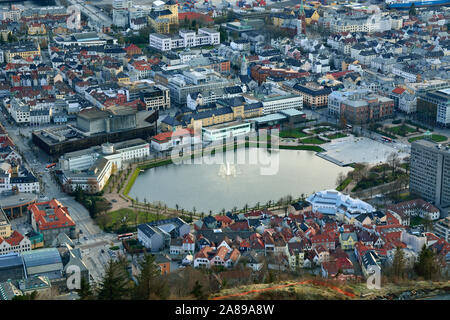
(401, 71)
(335, 202)
(282, 102)
(14, 243)
(219, 132)
(442, 229)
(91, 168)
(168, 140)
(185, 39)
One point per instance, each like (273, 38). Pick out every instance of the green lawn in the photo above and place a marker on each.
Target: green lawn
(336, 135)
(293, 133)
(434, 137)
(402, 130)
(312, 140)
(127, 216)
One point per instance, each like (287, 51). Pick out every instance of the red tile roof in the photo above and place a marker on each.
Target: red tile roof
(56, 216)
(14, 239)
(398, 90)
(167, 136)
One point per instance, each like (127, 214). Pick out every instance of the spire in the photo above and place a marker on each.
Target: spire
(301, 17)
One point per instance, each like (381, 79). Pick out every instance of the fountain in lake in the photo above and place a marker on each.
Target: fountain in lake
(227, 170)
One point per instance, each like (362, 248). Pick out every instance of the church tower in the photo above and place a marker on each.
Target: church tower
(302, 18)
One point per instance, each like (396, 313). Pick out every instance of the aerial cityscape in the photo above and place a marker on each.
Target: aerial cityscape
(224, 150)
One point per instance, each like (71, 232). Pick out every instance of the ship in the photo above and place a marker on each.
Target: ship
(406, 4)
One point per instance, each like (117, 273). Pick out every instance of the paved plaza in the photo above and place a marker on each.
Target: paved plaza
(350, 149)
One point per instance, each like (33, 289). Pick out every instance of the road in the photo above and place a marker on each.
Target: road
(92, 240)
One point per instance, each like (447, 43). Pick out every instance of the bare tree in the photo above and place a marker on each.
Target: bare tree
(393, 161)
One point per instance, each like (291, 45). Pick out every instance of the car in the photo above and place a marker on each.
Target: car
(102, 251)
(85, 238)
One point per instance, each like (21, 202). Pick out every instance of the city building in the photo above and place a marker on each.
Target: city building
(14, 243)
(5, 225)
(442, 229)
(434, 107)
(314, 96)
(260, 73)
(165, 141)
(276, 103)
(370, 108)
(90, 169)
(12, 267)
(415, 208)
(51, 218)
(110, 126)
(337, 98)
(334, 202)
(185, 39)
(430, 172)
(23, 50)
(164, 16)
(43, 262)
(225, 131)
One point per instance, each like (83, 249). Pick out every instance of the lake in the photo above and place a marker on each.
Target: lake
(215, 186)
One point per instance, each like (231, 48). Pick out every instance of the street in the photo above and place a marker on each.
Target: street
(92, 240)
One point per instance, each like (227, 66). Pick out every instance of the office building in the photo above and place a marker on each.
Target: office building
(430, 172)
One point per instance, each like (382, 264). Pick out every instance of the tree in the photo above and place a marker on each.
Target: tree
(150, 283)
(427, 264)
(115, 284)
(398, 263)
(197, 291)
(85, 291)
(223, 34)
(93, 208)
(393, 161)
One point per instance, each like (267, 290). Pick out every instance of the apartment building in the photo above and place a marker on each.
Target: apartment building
(430, 172)
(24, 50)
(185, 39)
